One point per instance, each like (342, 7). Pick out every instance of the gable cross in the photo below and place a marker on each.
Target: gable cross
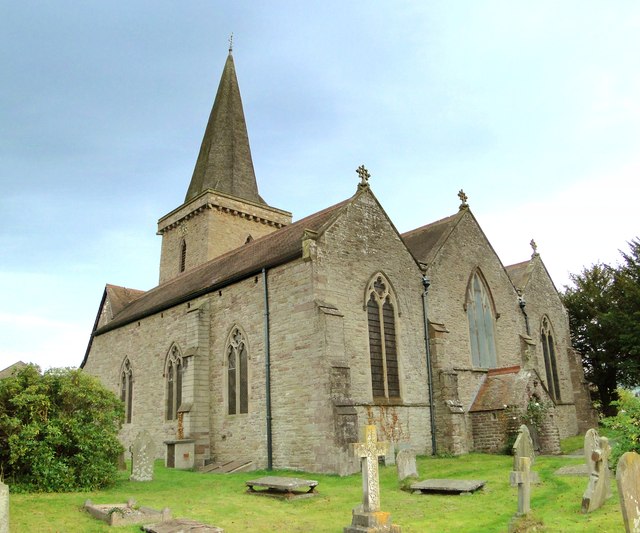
(534, 247)
(463, 199)
(364, 175)
(231, 43)
(369, 451)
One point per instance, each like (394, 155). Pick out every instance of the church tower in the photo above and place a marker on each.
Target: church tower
(222, 209)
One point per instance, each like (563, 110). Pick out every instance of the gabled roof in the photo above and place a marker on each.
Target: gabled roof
(224, 163)
(424, 242)
(520, 273)
(12, 369)
(277, 248)
(120, 297)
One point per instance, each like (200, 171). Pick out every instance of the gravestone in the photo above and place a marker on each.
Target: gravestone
(367, 517)
(523, 453)
(142, 457)
(406, 464)
(628, 479)
(596, 454)
(4, 508)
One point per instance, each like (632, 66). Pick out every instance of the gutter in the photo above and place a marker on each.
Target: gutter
(426, 282)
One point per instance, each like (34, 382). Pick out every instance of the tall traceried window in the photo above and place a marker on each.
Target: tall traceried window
(550, 364)
(126, 389)
(237, 373)
(173, 376)
(381, 319)
(481, 317)
(183, 255)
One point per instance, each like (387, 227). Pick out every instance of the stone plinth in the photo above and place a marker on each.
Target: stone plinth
(371, 522)
(180, 454)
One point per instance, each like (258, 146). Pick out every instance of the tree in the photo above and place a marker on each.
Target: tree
(59, 431)
(604, 314)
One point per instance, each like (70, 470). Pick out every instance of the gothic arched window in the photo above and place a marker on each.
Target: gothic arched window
(126, 389)
(481, 317)
(550, 364)
(237, 373)
(381, 319)
(173, 377)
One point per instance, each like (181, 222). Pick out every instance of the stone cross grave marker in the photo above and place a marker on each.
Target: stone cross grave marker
(4, 508)
(368, 517)
(406, 464)
(521, 474)
(369, 451)
(596, 454)
(142, 457)
(628, 478)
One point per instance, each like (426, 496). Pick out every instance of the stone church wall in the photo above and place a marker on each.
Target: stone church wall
(465, 250)
(542, 300)
(361, 243)
(146, 343)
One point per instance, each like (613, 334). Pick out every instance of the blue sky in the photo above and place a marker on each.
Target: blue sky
(532, 108)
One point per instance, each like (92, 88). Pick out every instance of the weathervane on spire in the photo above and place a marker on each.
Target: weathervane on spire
(534, 247)
(364, 175)
(463, 199)
(231, 43)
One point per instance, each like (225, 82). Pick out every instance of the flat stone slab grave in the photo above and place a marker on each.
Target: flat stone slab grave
(181, 526)
(282, 487)
(447, 486)
(120, 514)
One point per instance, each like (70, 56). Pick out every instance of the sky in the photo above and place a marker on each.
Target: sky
(533, 108)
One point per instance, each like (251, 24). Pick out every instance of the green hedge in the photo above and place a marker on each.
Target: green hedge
(58, 431)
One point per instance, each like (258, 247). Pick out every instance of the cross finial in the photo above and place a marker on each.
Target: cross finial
(364, 175)
(534, 247)
(231, 43)
(463, 199)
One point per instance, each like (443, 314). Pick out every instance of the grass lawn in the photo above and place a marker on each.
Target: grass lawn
(221, 500)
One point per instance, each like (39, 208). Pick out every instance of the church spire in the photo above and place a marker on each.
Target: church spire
(224, 163)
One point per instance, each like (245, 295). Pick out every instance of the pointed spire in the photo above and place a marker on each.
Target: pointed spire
(224, 163)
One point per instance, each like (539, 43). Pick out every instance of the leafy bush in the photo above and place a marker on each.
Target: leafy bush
(59, 431)
(625, 425)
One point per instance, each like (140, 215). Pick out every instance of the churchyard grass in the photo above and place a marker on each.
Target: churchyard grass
(221, 500)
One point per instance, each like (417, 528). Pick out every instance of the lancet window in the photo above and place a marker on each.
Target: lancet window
(237, 373)
(550, 363)
(126, 389)
(481, 317)
(383, 353)
(173, 376)
(183, 255)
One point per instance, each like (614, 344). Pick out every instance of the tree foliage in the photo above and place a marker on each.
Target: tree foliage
(625, 425)
(604, 314)
(59, 431)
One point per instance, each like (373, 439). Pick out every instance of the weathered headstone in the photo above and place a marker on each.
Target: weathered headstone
(628, 478)
(521, 474)
(368, 518)
(596, 454)
(406, 464)
(142, 457)
(4, 508)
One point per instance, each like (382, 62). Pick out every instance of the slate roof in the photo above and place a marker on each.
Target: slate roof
(120, 297)
(12, 369)
(424, 242)
(277, 248)
(497, 390)
(519, 274)
(224, 162)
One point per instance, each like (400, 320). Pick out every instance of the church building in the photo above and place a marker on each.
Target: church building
(271, 342)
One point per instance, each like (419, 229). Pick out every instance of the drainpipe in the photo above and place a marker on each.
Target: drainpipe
(267, 364)
(426, 282)
(522, 303)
